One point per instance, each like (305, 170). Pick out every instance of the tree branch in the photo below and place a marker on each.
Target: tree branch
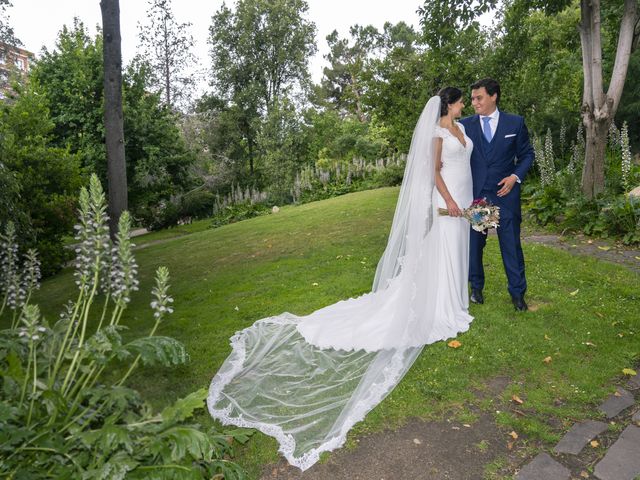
(623, 52)
(585, 40)
(596, 57)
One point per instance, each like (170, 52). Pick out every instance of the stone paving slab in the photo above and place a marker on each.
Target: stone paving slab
(544, 467)
(634, 382)
(622, 461)
(636, 417)
(579, 435)
(615, 404)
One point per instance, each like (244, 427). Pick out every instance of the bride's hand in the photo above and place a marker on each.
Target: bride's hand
(452, 207)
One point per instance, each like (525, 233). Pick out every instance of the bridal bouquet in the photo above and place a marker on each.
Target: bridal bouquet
(482, 214)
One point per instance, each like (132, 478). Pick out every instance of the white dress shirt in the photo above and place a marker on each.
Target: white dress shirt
(493, 123)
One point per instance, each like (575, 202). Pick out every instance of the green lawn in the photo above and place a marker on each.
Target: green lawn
(584, 316)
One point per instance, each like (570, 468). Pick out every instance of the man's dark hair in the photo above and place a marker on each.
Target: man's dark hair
(491, 86)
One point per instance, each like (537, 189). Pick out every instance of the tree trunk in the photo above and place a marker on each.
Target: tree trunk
(599, 108)
(113, 119)
(596, 143)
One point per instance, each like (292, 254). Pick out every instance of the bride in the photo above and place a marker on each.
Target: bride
(307, 380)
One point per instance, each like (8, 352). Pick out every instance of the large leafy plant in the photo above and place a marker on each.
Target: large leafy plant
(62, 412)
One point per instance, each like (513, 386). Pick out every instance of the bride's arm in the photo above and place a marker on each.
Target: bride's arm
(452, 206)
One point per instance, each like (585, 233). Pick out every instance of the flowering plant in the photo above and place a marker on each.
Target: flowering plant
(482, 215)
(66, 408)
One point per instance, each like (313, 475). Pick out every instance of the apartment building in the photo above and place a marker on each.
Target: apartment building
(14, 63)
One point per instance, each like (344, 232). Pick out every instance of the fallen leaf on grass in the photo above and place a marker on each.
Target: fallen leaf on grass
(547, 359)
(637, 258)
(547, 337)
(517, 399)
(315, 284)
(584, 474)
(454, 344)
(617, 394)
(594, 443)
(513, 435)
(589, 344)
(574, 293)
(606, 249)
(509, 445)
(417, 441)
(629, 371)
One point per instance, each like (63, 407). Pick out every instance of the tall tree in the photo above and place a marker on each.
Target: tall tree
(71, 77)
(113, 118)
(536, 56)
(345, 79)
(400, 83)
(260, 52)
(167, 46)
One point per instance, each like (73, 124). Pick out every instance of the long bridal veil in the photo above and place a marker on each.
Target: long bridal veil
(307, 380)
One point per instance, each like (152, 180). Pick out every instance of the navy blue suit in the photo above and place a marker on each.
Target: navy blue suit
(508, 152)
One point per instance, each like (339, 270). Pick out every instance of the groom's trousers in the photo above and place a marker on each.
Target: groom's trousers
(510, 249)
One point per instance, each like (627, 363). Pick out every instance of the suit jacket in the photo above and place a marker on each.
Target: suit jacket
(509, 152)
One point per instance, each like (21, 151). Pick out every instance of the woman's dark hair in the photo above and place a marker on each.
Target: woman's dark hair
(448, 96)
(490, 85)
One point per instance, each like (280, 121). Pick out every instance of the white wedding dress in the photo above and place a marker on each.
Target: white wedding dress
(307, 380)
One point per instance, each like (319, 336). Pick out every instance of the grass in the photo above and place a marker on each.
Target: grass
(584, 316)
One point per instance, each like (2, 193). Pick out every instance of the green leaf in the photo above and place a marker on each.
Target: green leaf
(14, 367)
(108, 439)
(230, 470)
(115, 469)
(105, 344)
(166, 472)
(240, 435)
(187, 442)
(8, 412)
(163, 351)
(184, 407)
(54, 402)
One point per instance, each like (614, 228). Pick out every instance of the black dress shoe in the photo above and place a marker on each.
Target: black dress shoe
(476, 296)
(519, 304)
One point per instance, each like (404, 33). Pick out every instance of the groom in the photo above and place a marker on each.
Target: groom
(501, 157)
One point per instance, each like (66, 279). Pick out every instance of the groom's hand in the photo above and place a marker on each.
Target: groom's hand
(507, 184)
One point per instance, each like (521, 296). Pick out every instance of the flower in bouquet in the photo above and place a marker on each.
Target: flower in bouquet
(481, 214)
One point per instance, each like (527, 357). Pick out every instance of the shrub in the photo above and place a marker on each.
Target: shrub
(547, 204)
(64, 415)
(237, 212)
